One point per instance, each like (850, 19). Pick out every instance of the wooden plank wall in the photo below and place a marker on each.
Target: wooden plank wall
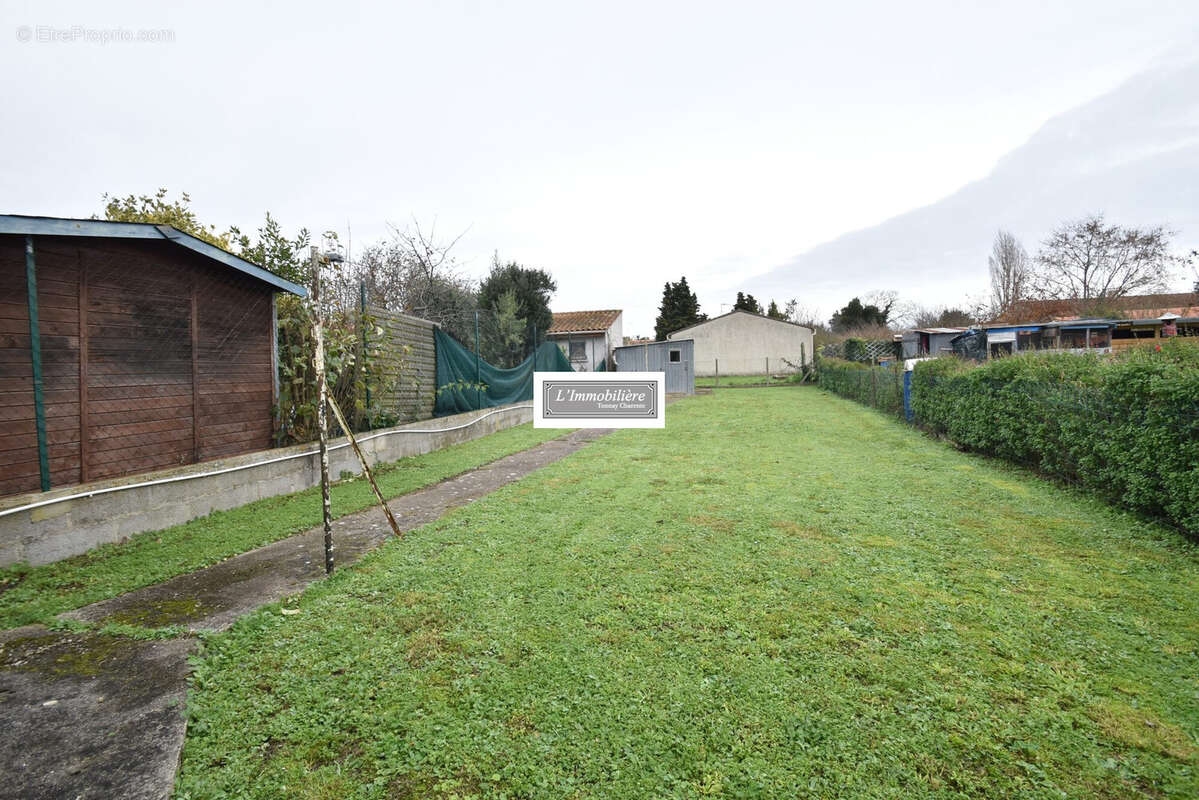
(234, 363)
(129, 404)
(413, 373)
(58, 314)
(138, 389)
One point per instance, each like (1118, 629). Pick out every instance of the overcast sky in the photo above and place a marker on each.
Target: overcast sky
(617, 145)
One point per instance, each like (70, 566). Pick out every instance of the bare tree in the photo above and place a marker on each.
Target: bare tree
(1090, 261)
(803, 315)
(415, 273)
(1010, 274)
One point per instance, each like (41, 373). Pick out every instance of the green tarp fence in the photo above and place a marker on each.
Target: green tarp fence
(456, 379)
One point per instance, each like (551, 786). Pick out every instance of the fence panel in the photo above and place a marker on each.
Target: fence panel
(401, 379)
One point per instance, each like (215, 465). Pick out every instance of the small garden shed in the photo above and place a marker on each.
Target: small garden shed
(128, 347)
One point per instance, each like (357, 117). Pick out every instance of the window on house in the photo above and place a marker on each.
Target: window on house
(1100, 337)
(578, 351)
(676, 356)
(1074, 340)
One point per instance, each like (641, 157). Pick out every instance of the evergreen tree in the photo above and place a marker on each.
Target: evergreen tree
(856, 315)
(679, 309)
(746, 302)
(531, 287)
(774, 313)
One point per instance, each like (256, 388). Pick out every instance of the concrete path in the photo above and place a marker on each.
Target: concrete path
(91, 716)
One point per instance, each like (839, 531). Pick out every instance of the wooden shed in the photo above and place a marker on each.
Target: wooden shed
(128, 347)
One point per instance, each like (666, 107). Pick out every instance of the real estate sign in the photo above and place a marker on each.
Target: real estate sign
(599, 400)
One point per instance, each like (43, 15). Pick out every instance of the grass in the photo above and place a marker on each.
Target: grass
(36, 594)
(739, 380)
(781, 595)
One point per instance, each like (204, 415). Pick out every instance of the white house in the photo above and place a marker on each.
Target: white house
(586, 337)
(741, 343)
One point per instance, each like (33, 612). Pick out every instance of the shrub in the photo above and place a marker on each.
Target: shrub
(879, 387)
(1126, 428)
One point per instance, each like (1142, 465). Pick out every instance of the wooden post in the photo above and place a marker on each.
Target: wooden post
(322, 417)
(35, 357)
(366, 469)
(195, 338)
(277, 416)
(84, 445)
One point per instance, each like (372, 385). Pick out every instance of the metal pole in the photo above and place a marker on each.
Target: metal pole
(478, 389)
(366, 377)
(718, 373)
(322, 403)
(35, 355)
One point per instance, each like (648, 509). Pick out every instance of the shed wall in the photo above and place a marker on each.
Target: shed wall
(152, 357)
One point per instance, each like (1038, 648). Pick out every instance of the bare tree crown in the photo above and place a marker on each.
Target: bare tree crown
(1090, 260)
(1010, 274)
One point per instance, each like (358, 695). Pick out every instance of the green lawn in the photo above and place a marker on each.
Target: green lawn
(36, 594)
(738, 380)
(781, 595)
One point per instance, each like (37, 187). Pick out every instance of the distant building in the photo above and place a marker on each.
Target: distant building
(741, 343)
(672, 357)
(920, 342)
(1133, 307)
(587, 338)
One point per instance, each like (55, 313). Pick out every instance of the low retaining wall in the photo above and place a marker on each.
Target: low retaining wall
(117, 509)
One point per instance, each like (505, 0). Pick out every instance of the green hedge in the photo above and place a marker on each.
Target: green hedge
(1126, 428)
(879, 387)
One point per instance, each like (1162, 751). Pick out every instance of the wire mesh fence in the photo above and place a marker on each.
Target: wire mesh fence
(878, 387)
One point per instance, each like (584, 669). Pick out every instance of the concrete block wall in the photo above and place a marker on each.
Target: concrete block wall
(53, 532)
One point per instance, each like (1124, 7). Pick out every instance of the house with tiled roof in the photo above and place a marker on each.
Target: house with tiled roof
(587, 337)
(1133, 307)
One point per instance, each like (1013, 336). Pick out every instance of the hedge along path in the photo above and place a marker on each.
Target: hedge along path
(91, 714)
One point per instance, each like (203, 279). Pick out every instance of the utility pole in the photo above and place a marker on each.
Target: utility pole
(322, 417)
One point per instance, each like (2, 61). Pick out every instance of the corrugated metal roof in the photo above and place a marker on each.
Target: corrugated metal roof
(105, 229)
(583, 321)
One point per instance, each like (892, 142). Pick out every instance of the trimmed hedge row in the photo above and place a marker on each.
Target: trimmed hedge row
(878, 387)
(1126, 428)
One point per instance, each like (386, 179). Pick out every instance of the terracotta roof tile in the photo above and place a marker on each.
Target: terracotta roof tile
(583, 321)
(1145, 306)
